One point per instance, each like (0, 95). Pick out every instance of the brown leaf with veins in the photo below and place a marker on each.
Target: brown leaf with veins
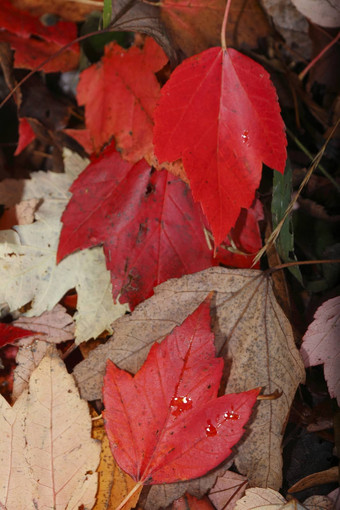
(56, 326)
(227, 490)
(251, 330)
(136, 16)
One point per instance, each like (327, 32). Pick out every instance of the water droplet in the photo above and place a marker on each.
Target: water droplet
(180, 404)
(245, 136)
(231, 415)
(210, 430)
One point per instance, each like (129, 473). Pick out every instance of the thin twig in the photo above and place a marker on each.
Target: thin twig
(276, 232)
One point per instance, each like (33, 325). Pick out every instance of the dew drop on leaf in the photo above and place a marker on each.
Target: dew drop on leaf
(180, 404)
(231, 415)
(245, 136)
(210, 430)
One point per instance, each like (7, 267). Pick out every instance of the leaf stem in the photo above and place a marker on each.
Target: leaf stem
(301, 263)
(321, 54)
(129, 496)
(224, 26)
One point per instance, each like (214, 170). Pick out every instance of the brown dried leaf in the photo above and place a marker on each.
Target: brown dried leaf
(113, 484)
(141, 17)
(227, 490)
(251, 329)
(57, 327)
(258, 498)
(46, 449)
(160, 496)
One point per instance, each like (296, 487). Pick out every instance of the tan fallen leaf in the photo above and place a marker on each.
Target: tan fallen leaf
(113, 484)
(250, 329)
(28, 270)
(57, 326)
(160, 496)
(19, 214)
(227, 490)
(264, 499)
(47, 455)
(319, 503)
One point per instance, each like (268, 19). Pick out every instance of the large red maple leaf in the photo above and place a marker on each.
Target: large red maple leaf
(147, 221)
(219, 113)
(120, 94)
(166, 423)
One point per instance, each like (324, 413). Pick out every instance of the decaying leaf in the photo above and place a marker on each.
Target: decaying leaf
(258, 498)
(56, 326)
(142, 17)
(249, 323)
(113, 484)
(44, 283)
(321, 344)
(227, 490)
(46, 450)
(322, 12)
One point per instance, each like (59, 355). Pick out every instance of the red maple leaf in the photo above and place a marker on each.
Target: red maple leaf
(244, 239)
(33, 42)
(9, 334)
(166, 423)
(120, 94)
(26, 135)
(219, 113)
(147, 221)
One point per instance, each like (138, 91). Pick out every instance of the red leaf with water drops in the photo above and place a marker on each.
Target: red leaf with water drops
(9, 334)
(166, 423)
(219, 113)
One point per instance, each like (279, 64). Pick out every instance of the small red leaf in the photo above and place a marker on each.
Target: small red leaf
(150, 227)
(26, 135)
(9, 334)
(219, 113)
(166, 423)
(120, 94)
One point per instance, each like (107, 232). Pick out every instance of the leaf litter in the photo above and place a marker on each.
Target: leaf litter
(248, 323)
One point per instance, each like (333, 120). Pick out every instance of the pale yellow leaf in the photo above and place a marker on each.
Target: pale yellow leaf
(28, 270)
(59, 454)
